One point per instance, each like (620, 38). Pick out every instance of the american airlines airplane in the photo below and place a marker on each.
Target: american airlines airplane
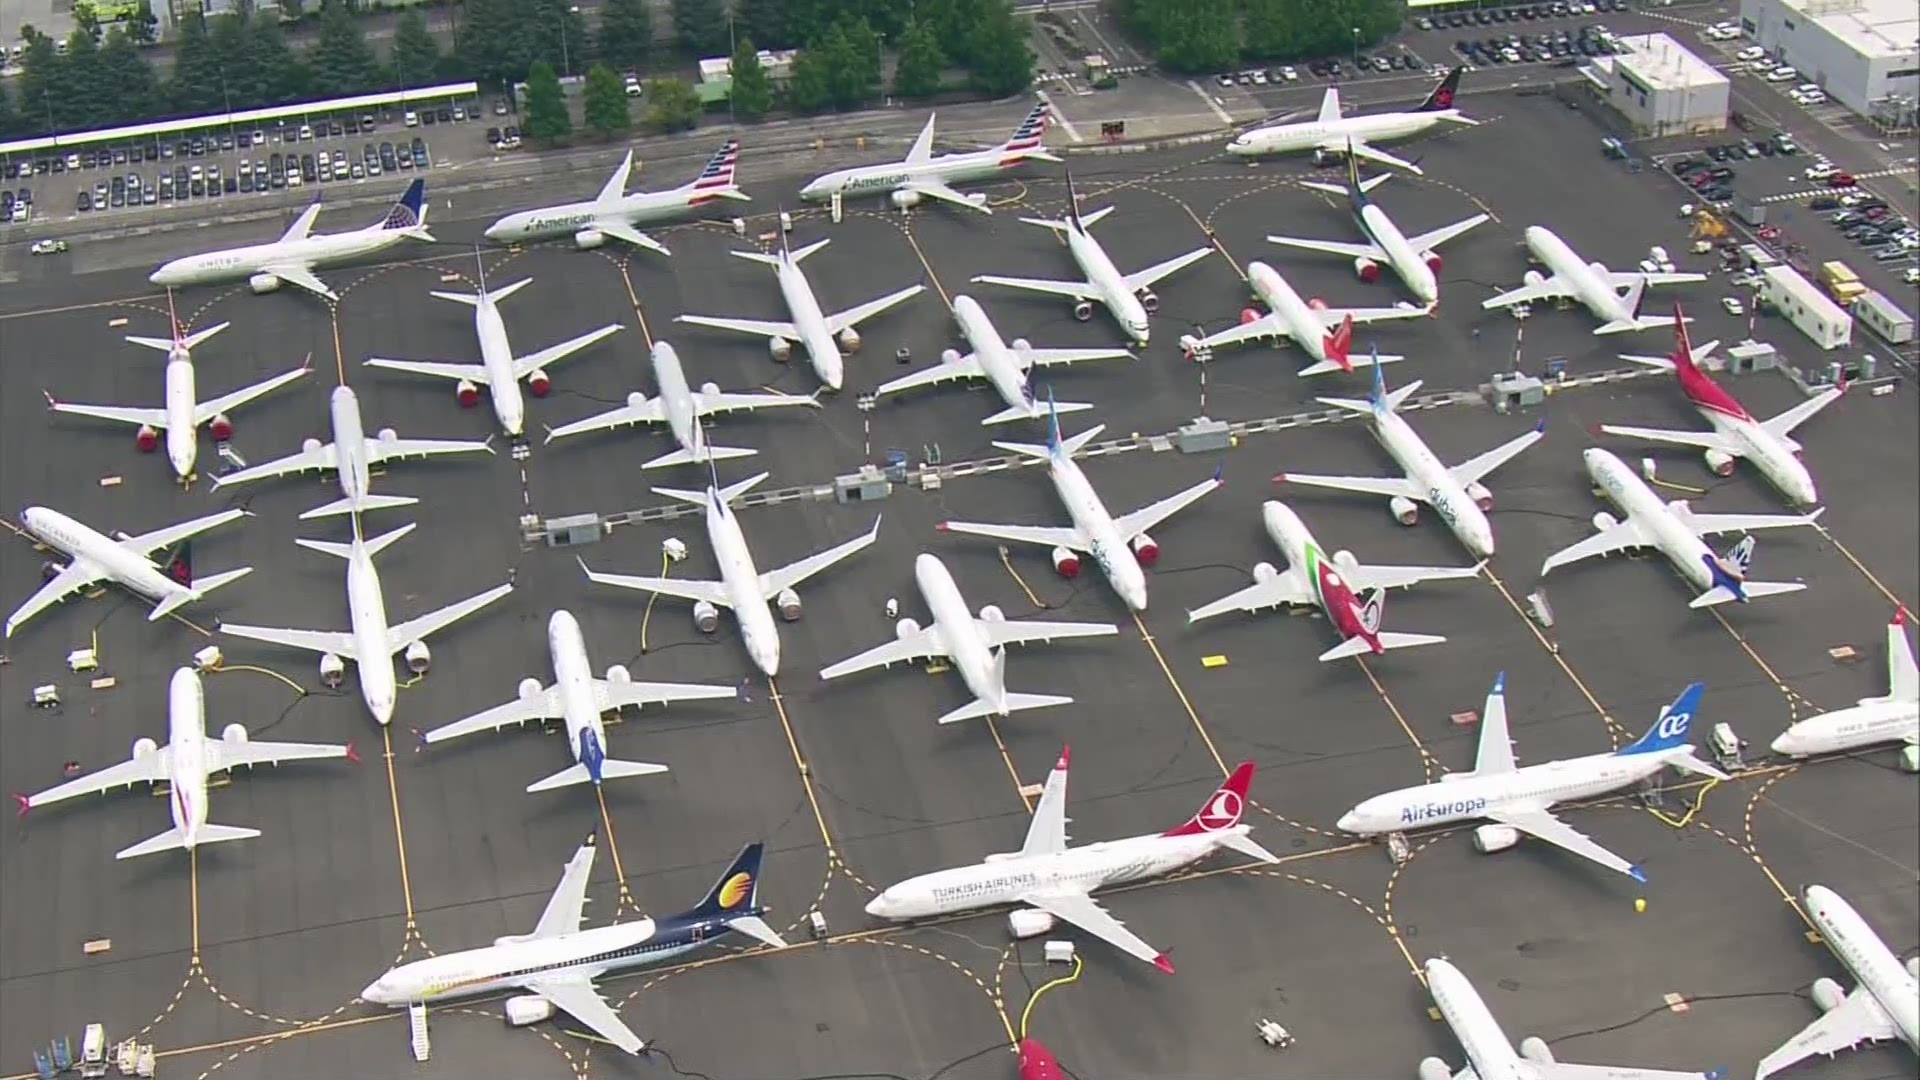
(1677, 531)
(614, 213)
(681, 408)
(1330, 134)
(921, 175)
(127, 561)
(1892, 718)
(372, 641)
(1520, 799)
(580, 700)
(184, 765)
(1324, 333)
(1600, 290)
(1885, 1005)
(741, 587)
(352, 454)
(822, 335)
(556, 964)
(1414, 259)
(1456, 494)
(977, 647)
(1312, 577)
(293, 257)
(1008, 368)
(1050, 882)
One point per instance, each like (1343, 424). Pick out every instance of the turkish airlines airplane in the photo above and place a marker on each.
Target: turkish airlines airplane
(921, 175)
(1324, 333)
(1414, 259)
(1892, 718)
(1329, 134)
(615, 213)
(1009, 368)
(1884, 1006)
(1612, 296)
(127, 561)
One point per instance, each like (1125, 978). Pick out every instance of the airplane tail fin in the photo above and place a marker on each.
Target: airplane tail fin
(734, 894)
(345, 551)
(1373, 610)
(1673, 727)
(409, 213)
(360, 505)
(1339, 346)
(703, 453)
(187, 342)
(1223, 808)
(716, 179)
(1442, 96)
(173, 839)
(1742, 554)
(1903, 677)
(1028, 141)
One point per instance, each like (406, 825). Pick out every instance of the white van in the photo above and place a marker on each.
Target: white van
(93, 1051)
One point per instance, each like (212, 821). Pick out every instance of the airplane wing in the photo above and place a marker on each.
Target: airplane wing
(1141, 279)
(1368, 152)
(1427, 241)
(1782, 426)
(524, 366)
(1333, 317)
(1053, 357)
(1369, 485)
(1286, 589)
(766, 328)
(712, 592)
(578, 999)
(649, 411)
(854, 316)
(1331, 247)
(1044, 535)
(935, 189)
(967, 367)
(74, 578)
(544, 705)
(1078, 290)
(1539, 823)
(1002, 632)
(1561, 1070)
(1086, 913)
(225, 755)
(150, 542)
(1047, 832)
(919, 645)
(1619, 537)
(303, 224)
(1475, 469)
(1396, 577)
(382, 450)
(399, 637)
(1495, 754)
(149, 770)
(705, 404)
(621, 230)
(320, 641)
(153, 418)
(320, 457)
(1711, 440)
(569, 900)
(773, 582)
(301, 275)
(1132, 525)
(207, 410)
(611, 695)
(1856, 1020)
(1552, 288)
(473, 373)
(1713, 524)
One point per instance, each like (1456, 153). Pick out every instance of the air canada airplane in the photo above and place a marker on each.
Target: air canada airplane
(1330, 134)
(615, 211)
(1595, 287)
(923, 175)
(127, 561)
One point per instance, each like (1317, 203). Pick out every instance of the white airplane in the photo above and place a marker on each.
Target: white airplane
(741, 587)
(822, 335)
(1009, 368)
(127, 561)
(1456, 494)
(681, 408)
(184, 764)
(1769, 444)
(293, 258)
(1521, 799)
(1600, 290)
(557, 963)
(977, 647)
(1049, 881)
(579, 699)
(1324, 333)
(1677, 531)
(1414, 259)
(1885, 1005)
(1312, 577)
(614, 212)
(499, 370)
(352, 454)
(372, 641)
(1490, 1056)
(1892, 718)
(1331, 134)
(1119, 546)
(921, 175)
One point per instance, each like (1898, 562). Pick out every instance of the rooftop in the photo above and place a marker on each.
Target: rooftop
(1876, 28)
(1664, 64)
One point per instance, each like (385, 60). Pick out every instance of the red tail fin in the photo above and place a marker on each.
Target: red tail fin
(1222, 809)
(1340, 344)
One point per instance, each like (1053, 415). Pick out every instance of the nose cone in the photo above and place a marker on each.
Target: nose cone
(1131, 584)
(1140, 332)
(381, 706)
(1788, 744)
(182, 458)
(1350, 821)
(376, 992)
(880, 906)
(165, 275)
(496, 231)
(766, 656)
(1479, 539)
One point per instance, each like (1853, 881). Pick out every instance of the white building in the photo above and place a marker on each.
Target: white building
(1661, 87)
(1806, 307)
(1859, 51)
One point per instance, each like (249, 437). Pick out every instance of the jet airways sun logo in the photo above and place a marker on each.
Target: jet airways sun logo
(735, 889)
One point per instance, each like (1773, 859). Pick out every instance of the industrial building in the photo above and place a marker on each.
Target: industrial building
(716, 73)
(1802, 303)
(1864, 53)
(1660, 87)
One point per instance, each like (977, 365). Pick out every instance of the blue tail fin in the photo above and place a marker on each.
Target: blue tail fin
(407, 213)
(1723, 576)
(1379, 397)
(1742, 554)
(1673, 726)
(735, 892)
(1053, 425)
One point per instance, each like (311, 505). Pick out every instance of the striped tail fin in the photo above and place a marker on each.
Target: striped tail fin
(717, 176)
(1029, 139)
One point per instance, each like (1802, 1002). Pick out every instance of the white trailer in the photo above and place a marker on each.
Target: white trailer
(1806, 307)
(1882, 316)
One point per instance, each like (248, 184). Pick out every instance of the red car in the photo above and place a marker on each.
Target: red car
(1844, 179)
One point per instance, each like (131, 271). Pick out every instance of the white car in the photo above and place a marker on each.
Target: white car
(1259, 78)
(1911, 276)
(1820, 172)
(1750, 54)
(1782, 74)
(412, 119)
(48, 247)
(1289, 74)
(633, 85)
(1733, 305)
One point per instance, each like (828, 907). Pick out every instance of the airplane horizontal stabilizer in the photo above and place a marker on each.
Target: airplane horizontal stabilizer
(706, 453)
(364, 503)
(1015, 703)
(1638, 322)
(1245, 845)
(173, 838)
(756, 928)
(567, 777)
(1408, 641)
(201, 587)
(755, 256)
(1720, 594)
(1032, 412)
(1326, 367)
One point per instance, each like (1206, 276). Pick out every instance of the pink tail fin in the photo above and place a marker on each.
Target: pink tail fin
(1223, 808)
(1340, 344)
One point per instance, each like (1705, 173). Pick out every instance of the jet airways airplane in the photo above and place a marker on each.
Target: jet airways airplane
(293, 258)
(614, 212)
(557, 963)
(1414, 259)
(372, 641)
(184, 764)
(1324, 333)
(921, 175)
(1330, 134)
(1521, 799)
(352, 454)
(1892, 718)
(1885, 1005)
(1050, 882)
(1677, 531)
(499, 370)
(580, 700)
(1490, 1056)
(127, 561)
(822, 335)
(681, 408)
(977, 647)
(1598, 289)
(741, 587)
(1456, 494)
(1769, 444)
(1009, 368)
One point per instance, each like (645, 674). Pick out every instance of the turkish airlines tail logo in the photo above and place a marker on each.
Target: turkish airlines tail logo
(1223, 808)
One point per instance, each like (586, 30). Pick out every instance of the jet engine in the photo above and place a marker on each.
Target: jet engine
(618, 673)
(1913, 967)
(1021, 347)
(789, 604)
(710, 389)
(233, 734)
(905, 629)
(51, 569)
(1150, 300)
(1433, 261)
(1029, 922)
(1145, 550)
(1405, 510)
(1066, 563)
(1083, 310)
(147, 438)
(1720, 462)
(905, 200)
(1481, 497)
(524, 1010)
(529, 688)
(466, 393)
(1535, 1049)
(1368, 270)
(540, 384)
(636, 400)
(1488, 839)
(386, 435)
(588, 239)
(333, 670)
(1434, 1069)
(1533, 277)
(418, 657)
(1604, 521)
(220, 427)
(780, 349)
(706, 617)
(992, 613)
(850, 340)
(261, 284)
(144, 747)
(1249, 315)
(1316, 304)
(950, 356)
(310, 444)
(1265, 571)
(1827, 994)
(1347, 564)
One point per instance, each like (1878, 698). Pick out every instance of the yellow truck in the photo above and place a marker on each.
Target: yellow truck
(1841, 282)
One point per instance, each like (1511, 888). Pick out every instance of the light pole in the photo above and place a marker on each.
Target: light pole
(1356, 46)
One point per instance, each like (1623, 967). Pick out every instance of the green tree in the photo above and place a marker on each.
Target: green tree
(850, 51)
(415, 59)
(144, 26)
(810, 88)
(39, 84)
(1001, 62)
(1273, 30)
(341, 61)
(700, 26)
(195, 87)
(752, 94)
(626, 33)
(917, 73)
(292, 10)
(494, 43)
(278, 75)
(604, 102)
(556, 34)
(81, 98)
(546, 108)
(86, 22)
(9, 120)
(136, 91)
(765, 21)
(674, 105)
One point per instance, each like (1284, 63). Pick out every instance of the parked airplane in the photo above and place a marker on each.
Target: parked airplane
(681, 408)
(1324, 333)
(1328, 582)
(1769, 444)
(1894, 717)
(1049, 881)
(579, 699)
(556, 964)
(293, 258)
(741, 587)
(1885, 1005)
(1414, 259)
(184, 764)
(125, 560)
(499, 370)
(372, 641)
(1592, 284)
(977, 647)
(1677, 531)
(921, 175)
(1037, 1062)
(614, 212)
(1009, 368)
(1330, 135)
(1456, 494)
(352, 454)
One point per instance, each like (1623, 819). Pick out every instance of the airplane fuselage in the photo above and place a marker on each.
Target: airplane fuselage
(742, 584)
(1682, 547)
(1869, 723)
(1003, 367)
(81, 543)
(1109, 549)
(1120, 301)
(569, 218)
(676, 397)
(893, 176)
(1466, 797)
(187, 755)
(496, 356)
(1410, 265)
(1868, 959)
(1586, 282)
(573, 681)
(312, 251)
(183, 435)
(1768, 452)
(367, 608)
(1474, 1027)
(1330, 589)
(1448, 497)
(822, 350)
(966, 649)
(349, 443)
(1317, 134)
(1295, 315)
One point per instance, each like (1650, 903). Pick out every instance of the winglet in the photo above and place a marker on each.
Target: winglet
(1219, 471)
(1066, 754)
(352, 754)
(25, 803)
(1640, 876)
(1163, 963)
(1499, 685)
(1541, 427)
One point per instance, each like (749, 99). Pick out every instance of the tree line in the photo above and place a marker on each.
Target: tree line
(1215, 35)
